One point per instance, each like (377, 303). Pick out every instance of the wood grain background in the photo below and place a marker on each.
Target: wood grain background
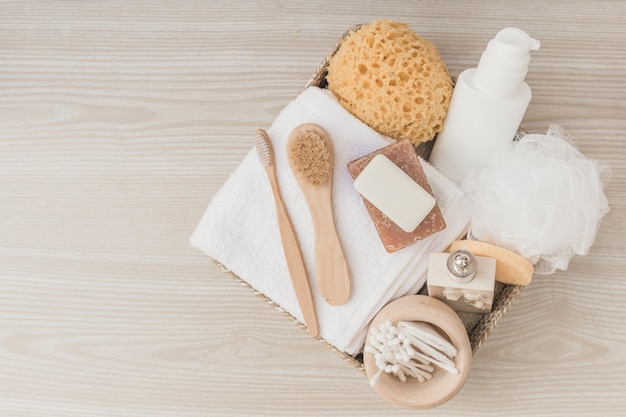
(120, 119)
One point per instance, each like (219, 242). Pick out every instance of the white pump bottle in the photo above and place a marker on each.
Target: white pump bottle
(487, 106)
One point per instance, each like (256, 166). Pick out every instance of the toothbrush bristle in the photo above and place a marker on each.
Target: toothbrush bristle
(263, 147)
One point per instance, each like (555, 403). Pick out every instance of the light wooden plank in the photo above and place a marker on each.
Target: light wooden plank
(120, 120)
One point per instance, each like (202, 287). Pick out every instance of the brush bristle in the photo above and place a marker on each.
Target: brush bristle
(263, 147)
(310, 157)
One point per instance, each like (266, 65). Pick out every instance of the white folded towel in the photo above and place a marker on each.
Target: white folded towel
(239, 228)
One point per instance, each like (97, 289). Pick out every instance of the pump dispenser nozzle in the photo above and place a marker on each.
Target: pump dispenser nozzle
(504, 64)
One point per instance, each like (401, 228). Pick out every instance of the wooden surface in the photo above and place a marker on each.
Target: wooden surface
(120, 119)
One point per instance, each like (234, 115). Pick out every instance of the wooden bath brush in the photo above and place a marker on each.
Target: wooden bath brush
(310, 155)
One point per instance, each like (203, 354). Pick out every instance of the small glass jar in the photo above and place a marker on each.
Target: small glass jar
(463, 281)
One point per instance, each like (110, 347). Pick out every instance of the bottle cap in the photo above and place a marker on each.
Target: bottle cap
(462, 266)
(504, 63)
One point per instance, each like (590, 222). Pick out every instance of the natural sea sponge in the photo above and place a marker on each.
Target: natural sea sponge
(393, 80)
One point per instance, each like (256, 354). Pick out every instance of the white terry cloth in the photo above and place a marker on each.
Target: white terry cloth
(239, 228)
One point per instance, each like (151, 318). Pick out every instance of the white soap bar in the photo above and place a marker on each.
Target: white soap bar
(394, 193)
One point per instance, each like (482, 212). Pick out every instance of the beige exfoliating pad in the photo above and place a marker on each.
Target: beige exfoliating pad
(511, 268)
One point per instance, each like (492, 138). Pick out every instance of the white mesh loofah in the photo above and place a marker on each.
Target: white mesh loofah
(541, 198)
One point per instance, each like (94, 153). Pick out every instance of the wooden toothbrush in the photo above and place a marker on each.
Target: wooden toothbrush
(291, 248)
(310, 155)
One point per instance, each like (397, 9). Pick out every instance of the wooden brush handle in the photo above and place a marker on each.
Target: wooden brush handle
(295, 262)
(331, 267)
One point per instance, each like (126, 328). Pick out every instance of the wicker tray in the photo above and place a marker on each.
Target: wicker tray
(478, 326)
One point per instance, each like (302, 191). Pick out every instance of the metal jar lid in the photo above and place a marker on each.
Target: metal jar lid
(462, 266)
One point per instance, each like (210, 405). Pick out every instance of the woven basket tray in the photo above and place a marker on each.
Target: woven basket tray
(478, 326)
